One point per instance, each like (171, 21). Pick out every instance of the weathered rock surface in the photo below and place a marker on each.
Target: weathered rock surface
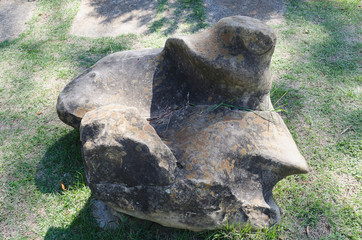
(231, 60)
(158, 144)
(129, 147)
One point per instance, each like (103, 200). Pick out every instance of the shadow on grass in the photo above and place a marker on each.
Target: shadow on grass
(84, 226)
(61, 164)
(325, 34)
(334, 51)
(7, 43)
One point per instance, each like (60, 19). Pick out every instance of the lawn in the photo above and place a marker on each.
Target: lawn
(316, 71)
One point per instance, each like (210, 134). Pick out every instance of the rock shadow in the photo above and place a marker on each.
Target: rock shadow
(84, 226)
(61, 164)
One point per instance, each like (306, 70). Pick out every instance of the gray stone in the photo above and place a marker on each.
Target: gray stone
(104, 215)
(186, 136)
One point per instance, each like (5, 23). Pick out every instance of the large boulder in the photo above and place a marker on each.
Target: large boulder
(186, 136)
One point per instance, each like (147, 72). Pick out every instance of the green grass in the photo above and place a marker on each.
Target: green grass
(316, 70)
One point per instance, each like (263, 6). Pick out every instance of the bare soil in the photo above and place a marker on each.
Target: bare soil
(99, 18)
(269, 11)
(13, 16)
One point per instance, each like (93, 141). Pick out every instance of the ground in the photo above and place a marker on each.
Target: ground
(13, 16)
(101, 18)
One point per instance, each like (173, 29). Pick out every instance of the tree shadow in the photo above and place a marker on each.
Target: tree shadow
(147, 16)
(109, 10)
(331, 57)
(334, 53)
(261, 9)
(173, 15)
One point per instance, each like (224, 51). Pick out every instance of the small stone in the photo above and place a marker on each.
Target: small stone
(104, 215)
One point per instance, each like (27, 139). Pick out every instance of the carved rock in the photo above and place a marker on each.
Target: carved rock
(159, 142)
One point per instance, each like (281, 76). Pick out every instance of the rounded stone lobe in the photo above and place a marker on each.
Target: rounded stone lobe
(117, 150)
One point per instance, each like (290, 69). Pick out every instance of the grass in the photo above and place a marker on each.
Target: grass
(316, 66)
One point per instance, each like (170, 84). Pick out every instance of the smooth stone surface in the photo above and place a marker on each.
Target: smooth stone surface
(125, 78)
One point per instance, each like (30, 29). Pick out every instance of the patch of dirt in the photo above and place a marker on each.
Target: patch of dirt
(349, 186)
(100, 18)
(270, 11)
(321, 230)
(13, 16)
(31, 225)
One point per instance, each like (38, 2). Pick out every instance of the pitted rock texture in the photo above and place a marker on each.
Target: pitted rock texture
(159, 144)
(124, 141)
(231, 60)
